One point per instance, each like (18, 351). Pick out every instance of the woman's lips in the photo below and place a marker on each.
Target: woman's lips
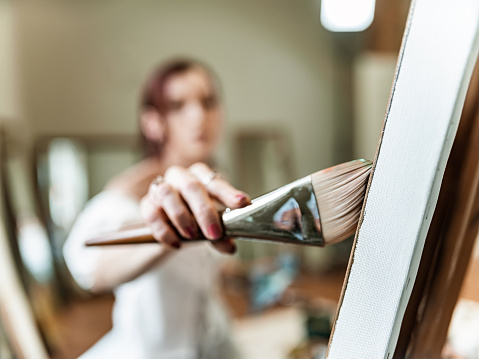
(201, 138)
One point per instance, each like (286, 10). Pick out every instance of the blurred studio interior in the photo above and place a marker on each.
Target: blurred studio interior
(305, 86)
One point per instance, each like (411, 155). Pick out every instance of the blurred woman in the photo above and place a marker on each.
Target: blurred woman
(166, 300)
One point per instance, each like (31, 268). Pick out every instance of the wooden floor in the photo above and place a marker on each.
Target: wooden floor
(81, 324)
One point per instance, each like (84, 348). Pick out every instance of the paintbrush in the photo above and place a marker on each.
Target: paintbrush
(320, 209)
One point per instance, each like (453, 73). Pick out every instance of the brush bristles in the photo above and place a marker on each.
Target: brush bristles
(340, 193)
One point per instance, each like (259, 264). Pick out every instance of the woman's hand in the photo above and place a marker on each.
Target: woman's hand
(185, 200)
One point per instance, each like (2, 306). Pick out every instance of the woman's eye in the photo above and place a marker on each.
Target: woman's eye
(175, 105)
(209, 102)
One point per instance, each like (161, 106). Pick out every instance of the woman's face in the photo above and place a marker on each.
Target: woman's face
(193, 116)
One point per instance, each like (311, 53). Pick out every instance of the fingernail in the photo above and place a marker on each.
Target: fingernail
(240, 197)
(214, 230)
(176, 245)
(191, 231)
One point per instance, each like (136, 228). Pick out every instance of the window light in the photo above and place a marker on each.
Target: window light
(347, 15)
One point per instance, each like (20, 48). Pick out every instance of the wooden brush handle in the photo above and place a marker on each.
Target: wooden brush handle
(136, 234)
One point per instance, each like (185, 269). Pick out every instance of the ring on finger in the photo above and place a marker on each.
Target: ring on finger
(156, 182)
(209, 177)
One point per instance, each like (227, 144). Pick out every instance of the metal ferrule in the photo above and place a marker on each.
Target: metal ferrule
(289, 215)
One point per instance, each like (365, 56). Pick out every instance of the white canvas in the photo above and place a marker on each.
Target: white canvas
(434, 68)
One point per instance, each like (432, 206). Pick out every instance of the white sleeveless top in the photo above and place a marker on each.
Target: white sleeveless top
(171, 312)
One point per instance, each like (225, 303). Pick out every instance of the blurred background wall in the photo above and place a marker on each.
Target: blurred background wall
(82, 64)
(9, 66)
(75, 68)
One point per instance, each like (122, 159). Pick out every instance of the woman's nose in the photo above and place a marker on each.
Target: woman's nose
(195, 111)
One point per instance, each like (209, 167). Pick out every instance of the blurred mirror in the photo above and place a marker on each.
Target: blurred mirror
(70, 170)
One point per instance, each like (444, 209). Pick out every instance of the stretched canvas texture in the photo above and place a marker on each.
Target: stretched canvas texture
(434, 67)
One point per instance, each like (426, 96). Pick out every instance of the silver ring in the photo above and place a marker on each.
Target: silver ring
(157, 181)
(210, 177)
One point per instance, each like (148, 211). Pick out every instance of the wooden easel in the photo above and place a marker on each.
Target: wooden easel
(449, 244)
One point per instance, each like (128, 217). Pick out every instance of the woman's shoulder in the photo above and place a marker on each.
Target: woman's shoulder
(111, 198)
(108, 208)
(132, 182)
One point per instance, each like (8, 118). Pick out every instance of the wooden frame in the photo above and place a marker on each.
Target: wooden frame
(449, 244)
(15, 311)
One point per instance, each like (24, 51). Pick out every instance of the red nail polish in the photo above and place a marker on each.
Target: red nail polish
(242, 199)
(191, 231)
(176, 245)
(214, 230)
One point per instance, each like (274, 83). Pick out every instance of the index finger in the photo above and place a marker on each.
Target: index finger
(219, 187)
(198, 200)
